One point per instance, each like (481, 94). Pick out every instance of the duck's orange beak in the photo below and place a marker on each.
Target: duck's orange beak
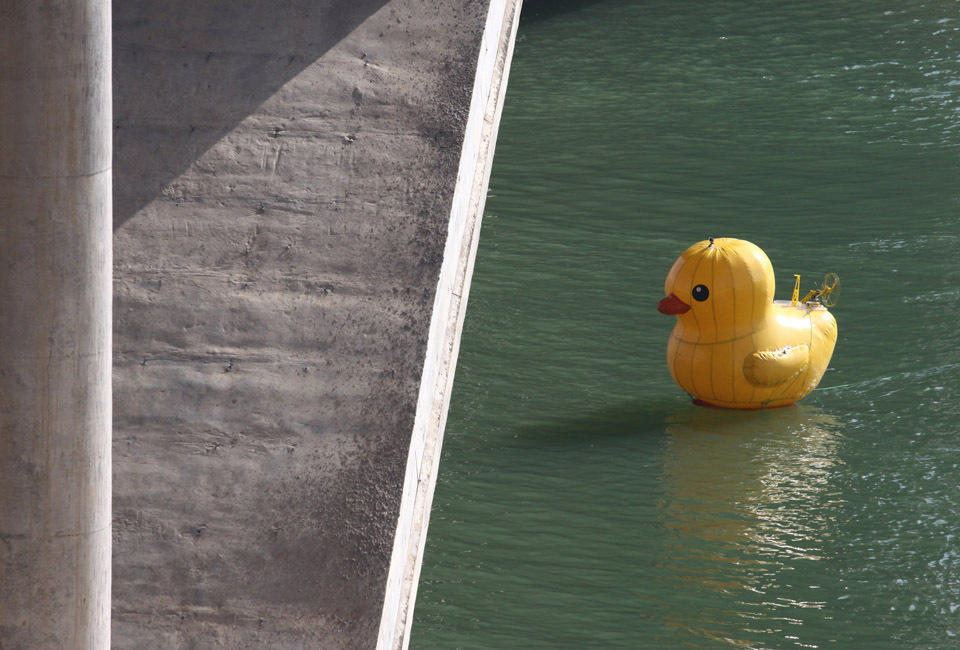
(672, 306)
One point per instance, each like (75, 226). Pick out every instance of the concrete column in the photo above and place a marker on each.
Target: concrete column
(55, 323)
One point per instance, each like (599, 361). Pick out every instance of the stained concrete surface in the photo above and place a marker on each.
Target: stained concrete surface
(284, 173)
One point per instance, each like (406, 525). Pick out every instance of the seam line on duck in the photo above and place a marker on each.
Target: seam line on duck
(733, 348)
(713, 343)
(693, 354)
(753, 315)
(713, 309)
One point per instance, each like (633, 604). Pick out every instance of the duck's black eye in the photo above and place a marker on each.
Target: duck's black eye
(700, 292)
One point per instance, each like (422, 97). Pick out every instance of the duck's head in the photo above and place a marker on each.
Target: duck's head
(720, 288)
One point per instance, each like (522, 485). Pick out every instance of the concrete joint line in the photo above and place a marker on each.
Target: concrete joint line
(14, 177)
(82, 533)
(496, 51)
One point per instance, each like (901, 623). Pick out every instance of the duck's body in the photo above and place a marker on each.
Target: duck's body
(733, 346)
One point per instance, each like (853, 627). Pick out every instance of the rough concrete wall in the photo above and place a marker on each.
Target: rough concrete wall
(284, 173)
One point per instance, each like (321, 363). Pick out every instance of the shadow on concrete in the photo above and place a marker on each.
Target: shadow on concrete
(187, 75)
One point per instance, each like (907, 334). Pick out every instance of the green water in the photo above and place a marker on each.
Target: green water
(583, 502)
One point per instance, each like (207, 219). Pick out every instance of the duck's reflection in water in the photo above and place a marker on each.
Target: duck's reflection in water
(747, 506)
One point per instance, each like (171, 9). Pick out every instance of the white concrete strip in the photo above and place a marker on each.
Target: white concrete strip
(443, 344)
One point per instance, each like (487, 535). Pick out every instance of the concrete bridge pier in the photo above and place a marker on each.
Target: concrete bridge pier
(55, 323)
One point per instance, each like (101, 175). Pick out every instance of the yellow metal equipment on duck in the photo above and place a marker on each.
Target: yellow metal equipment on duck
(734, 346)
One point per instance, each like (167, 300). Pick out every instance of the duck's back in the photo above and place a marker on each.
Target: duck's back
(810, 326)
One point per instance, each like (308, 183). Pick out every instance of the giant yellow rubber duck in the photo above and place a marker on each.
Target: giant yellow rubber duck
(734, 346)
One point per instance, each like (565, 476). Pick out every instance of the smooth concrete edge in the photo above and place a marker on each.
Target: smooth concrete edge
(449, 310)
(56, 287)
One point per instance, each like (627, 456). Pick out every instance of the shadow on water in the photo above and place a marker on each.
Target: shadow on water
(535, 10)
(184, 77)
(665, 415)
(625, 419)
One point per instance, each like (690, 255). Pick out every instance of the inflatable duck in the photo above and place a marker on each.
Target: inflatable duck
(734, 346)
